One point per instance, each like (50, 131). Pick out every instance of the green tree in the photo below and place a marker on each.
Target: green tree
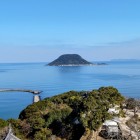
(36, 123)
(43, 134)
(3, 123)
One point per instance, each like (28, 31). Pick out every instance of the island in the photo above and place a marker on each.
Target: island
(70, 60)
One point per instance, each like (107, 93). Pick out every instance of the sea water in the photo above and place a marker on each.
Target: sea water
(53, 80)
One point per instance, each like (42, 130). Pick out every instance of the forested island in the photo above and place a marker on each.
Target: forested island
(70, 60)
(66, 116)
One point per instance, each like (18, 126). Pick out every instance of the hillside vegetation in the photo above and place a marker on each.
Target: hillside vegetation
(69, 59)
(66, 116)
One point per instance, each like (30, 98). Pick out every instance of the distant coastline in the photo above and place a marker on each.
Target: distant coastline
(125, 60)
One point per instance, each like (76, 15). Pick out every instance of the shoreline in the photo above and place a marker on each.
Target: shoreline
(73, 65)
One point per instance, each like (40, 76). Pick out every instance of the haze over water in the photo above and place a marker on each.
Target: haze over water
(55, 80)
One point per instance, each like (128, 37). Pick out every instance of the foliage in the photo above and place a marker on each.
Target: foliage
(66, 115)
(3, 128)
(3, 123)
(57, 115)
(69, 59)
(43, 134)
(21, 128)
(130, 103)
(134, 104)
(134, 123)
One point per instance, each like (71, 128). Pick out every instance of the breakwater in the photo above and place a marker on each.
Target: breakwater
(36, 98)
(21, 90)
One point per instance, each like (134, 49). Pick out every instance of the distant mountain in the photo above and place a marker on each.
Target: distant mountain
(125, 60)
(69, 59)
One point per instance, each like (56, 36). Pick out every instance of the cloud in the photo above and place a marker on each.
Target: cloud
(40, 53)
(129, 43)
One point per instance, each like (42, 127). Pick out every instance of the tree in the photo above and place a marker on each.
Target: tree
(3, 123)
(43, 134)
(36, 123)
(134, 104)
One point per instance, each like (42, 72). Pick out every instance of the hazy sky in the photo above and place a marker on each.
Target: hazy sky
(41, 30)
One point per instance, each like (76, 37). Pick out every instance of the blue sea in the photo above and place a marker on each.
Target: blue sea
(124, 75)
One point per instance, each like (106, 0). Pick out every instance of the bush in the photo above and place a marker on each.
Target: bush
(3, 123)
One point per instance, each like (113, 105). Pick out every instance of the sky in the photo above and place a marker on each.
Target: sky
(42, 30)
